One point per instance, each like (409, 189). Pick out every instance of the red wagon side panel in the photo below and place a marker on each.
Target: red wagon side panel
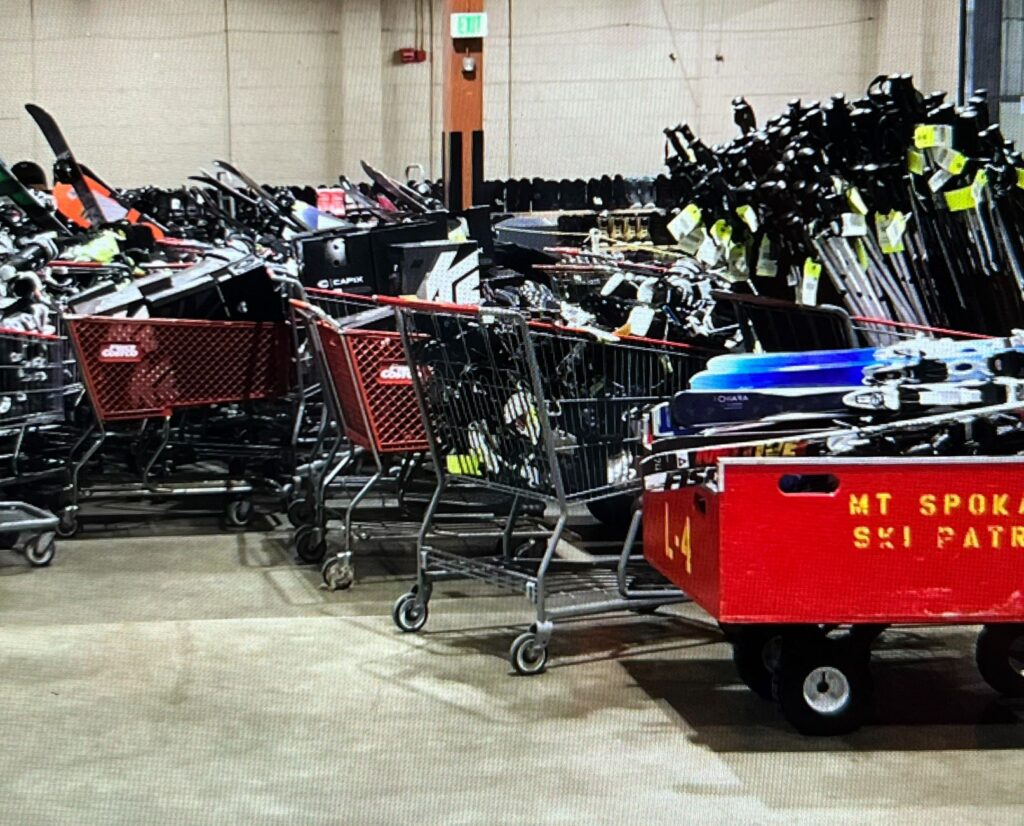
(915, 541)
(140, 368)
(678, 525)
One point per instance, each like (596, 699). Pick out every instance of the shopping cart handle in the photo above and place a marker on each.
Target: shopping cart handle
(419, 303)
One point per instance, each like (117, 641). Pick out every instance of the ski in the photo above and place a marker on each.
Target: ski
(703, 408)
(399, 192)
(263, 195)
(225, 189)
(827, 441)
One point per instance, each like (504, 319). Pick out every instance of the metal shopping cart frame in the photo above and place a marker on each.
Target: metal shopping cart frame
(34, 380)
(140, 371)
(512, 357)
(374, 413)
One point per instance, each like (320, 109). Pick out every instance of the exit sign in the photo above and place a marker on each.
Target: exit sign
(473, 24)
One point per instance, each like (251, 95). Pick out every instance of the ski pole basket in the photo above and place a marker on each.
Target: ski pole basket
(141, 368)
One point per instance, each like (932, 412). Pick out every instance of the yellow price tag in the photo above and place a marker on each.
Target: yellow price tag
(924, 137)
(721, 231)
(957, 200)
(809, 283)
(856, 201)
(685, 222)
(915, 162)
(748, 216)
(927, 136)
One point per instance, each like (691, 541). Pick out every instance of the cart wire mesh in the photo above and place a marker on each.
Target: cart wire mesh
(142, 368)
(537, 409)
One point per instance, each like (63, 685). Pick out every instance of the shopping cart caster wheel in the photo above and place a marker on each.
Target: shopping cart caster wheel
(822, 685)
(755, 653)
(528, 656)
(68, 525)
(409, 614)
(238, 513)
(40, 551)
(300, 513)
(1000, 658)
(310, 544)
(338, 574)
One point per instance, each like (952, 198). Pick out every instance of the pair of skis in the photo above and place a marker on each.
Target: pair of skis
(827, 441)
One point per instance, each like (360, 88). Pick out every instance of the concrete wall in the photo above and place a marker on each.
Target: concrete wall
(593, 82)
(300, 90)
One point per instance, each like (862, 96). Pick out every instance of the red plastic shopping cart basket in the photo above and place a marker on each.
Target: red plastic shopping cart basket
(142, 368)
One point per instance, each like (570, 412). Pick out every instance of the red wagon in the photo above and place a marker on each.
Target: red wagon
(804, 562)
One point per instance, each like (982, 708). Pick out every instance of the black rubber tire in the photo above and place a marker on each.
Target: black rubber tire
(238, 513)
(614, 512)
(999, 654)
(755, 653)
(823, 686)
(407, 615)
(68, 525)
(310, 544)
(299, 513)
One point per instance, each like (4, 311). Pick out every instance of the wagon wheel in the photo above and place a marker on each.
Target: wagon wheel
(1000, 657)
(755, 653)
(823, 685)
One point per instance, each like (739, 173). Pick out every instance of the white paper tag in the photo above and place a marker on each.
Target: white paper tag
(809, 283)
(645, 292)
(640, 319)
(854, 225)
(749, 217)
(766, 267)
(692, 242)
(612, 284)
(938, 180)
(685, 222)
(709, 251)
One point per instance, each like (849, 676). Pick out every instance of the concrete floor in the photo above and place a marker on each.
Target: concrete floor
(205, 678)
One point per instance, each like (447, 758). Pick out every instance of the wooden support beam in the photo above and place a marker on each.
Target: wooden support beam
(462, 148)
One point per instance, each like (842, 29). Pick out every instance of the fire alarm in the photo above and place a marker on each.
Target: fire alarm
(412, 55)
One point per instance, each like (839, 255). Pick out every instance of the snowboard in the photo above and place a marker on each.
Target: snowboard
(67, 169)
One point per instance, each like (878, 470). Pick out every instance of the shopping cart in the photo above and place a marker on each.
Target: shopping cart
(805, 561)
(34, 380)
(140, 371)
(542, 413)
(367, 391)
